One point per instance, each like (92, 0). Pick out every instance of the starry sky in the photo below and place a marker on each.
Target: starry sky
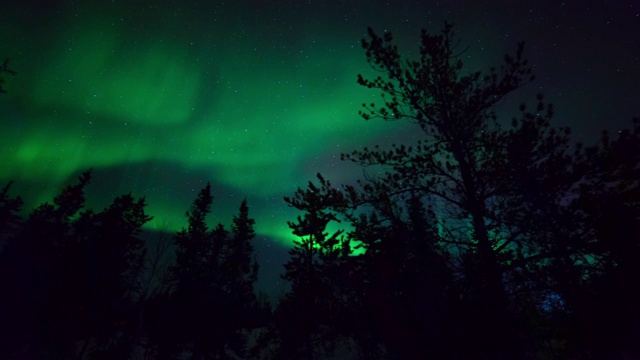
(159, 97)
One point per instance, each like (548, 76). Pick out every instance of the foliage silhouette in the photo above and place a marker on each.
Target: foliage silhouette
(73, 277)
(317, 260)
(500, 227)
(210, 303)
(485, 239)
(10, 220)
(239, 264)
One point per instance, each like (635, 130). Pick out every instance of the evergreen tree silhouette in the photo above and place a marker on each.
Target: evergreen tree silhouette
(459, 165)
(74, 278)
(239, 254)
(496, 228)
(10, 220)
(42, 281)
(113, 254)
(405, 297)
(196, 293)
(240, 270)
(211, 301)
(603, 316)
(305, 313)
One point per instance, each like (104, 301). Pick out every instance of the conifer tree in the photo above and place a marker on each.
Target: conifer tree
(113, 253)
(307, 309)
(240, 272)
(239, 259)
(461, 163)
(212, 299)
(9, 219)
(43, 280)
(195, 286)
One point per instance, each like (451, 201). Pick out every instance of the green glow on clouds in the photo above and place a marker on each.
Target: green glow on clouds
(148, 83)
(256, 117)
(254, 96)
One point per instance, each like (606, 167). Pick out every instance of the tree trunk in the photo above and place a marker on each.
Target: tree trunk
(492, 304)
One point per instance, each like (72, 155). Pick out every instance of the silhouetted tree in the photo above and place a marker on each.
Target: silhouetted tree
(195, 293)
(193, 244)
(113, 253)
(239, 263)
(402, 300)
(9, 207)
(210, 301)
(306, 313)
(487, 222)
(240, 271)
(41, 281)
(74, 278)
(9, 215)
(461, 164)
(602, 318)
(420, 301)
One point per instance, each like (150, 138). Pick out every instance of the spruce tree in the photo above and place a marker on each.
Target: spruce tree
(195, 286)
(239, 259)
(308, 310)
(44, 280)
(9, 215)
(460, 163)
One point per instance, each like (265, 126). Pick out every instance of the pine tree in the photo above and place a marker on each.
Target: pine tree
(44, 259)
(212, 299)
(196, 292)
(9, 215)
(605, 320)
(239, 259)
(464, 164)
(193, 244)
(240, 272)
(113, 254)
(306, 311)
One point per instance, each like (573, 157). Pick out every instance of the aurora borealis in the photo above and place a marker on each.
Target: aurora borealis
(159, 97)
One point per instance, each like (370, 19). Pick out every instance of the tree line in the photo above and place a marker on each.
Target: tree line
(484, 239)
(78, 284)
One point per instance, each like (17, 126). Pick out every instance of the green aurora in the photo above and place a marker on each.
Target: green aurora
(255, 97)
(249, 117)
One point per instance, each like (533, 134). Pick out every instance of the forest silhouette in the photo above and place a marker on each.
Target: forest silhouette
(485, 239)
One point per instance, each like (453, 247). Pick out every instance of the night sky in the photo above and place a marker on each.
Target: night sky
(159, 97)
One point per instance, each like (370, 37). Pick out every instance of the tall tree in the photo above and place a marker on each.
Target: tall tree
(404, 299)
(44, 258)
(193, 244)
(113, 253)
(9, 207)
(239, 260)
(500, 194)
(9, 215)
(455, 162)
(315, 256)
(195, 285)
(74, 277)
(211, 300)
(240, 272)
(603, 312)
